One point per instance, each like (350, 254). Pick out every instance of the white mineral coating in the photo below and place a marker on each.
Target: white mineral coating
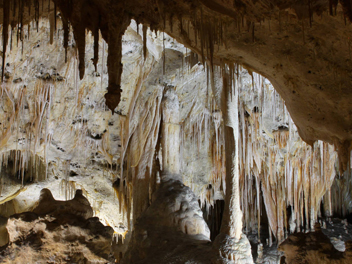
(170, 135)
(338, 244)
(272, 154)
(232, 219)
(233, 250)
(233, 244)
(260, 253)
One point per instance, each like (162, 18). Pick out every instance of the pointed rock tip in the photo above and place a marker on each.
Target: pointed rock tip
(113, 97)
(45, 195)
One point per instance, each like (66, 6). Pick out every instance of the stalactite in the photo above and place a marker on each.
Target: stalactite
(66, 28)
(55, 12)
(16, 109)
(36, 8)
(113, 96)
(96, 48)
(80, 37)
(5, 30)
(52, 28)
(330, 7)
(145, 41)
(21, 22)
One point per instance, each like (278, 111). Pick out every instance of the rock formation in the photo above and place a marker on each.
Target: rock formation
(57, 231)
(313, 247)
(155, 112)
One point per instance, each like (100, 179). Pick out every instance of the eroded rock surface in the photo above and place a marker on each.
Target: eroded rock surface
(79, 205)
(171, 230)
(58, 232)
(313, 247)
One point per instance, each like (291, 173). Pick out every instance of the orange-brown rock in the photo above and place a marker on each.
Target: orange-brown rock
(314, 247)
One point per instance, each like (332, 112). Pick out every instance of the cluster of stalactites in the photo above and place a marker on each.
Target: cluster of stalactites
(340, 195)
(31, 115)
(279, 173)
(277, 169)
(204, 133)
(76, 15)
(16, 13)
(21, 166)
(24, 131)
(139, 175)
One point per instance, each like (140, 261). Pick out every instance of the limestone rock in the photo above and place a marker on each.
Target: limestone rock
(4, 235)
(313, 247)
(79, 205)
(67, 234)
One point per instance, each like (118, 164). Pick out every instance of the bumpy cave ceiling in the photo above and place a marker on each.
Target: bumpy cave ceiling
(199, 131)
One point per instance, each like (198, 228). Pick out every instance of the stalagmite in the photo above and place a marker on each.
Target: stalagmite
(232, 219)
(233, 244)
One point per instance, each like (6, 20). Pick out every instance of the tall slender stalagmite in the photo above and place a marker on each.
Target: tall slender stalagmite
(232, 219)
(232, 243)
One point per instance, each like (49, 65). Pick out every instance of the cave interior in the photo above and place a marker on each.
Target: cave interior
(188, 131)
